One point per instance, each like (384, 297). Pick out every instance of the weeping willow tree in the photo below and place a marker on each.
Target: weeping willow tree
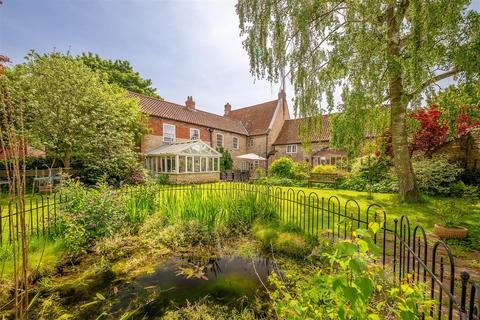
(380, 56)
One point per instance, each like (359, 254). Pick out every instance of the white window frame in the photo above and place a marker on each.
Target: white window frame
(233, 143)
(193, 135)
(293, 148)
(223, 140)
(165, 125)
(251, 142)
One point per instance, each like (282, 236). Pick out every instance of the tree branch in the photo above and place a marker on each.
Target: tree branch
(431, 81)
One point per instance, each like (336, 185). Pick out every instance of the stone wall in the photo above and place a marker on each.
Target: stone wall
(198, 177)
(301, 155)
(465, 149)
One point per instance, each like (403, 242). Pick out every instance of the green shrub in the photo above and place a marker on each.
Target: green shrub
(348, 285)
(282, 168)
(284, 182)
(371, 168)
(94, 213)
(325, 169)
(286, 168)
(435, 176)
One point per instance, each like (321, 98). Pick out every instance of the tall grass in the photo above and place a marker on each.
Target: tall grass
(214, 208)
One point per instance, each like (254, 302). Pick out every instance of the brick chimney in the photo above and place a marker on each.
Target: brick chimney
(228, 108)
(282, 95)
(190, 104)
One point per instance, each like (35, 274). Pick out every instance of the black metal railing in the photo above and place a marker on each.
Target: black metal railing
(407, 254)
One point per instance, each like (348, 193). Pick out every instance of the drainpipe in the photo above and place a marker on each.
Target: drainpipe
(211, 137)
(266, 154)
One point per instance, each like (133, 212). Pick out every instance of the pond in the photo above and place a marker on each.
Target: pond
(231, 281)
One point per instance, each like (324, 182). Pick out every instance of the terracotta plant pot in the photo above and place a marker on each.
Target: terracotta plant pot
(451, 233)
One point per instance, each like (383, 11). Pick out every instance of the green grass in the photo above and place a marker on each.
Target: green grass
(44, 255)
(423, 213)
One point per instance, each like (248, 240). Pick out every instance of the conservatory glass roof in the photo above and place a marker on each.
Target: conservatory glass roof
(188, 148)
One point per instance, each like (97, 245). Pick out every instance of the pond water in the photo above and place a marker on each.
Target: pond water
(231, 281)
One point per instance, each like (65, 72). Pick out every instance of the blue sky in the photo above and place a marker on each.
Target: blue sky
(185, 47)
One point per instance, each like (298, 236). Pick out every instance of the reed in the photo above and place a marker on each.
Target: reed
(215, 208)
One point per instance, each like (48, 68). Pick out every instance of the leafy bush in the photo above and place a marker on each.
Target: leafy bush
(348, 285)
(371, 168)
(451, 214)
(325, 169)
(282, 168)
(93, 213)
(434, 176)
(137, 176)
(389, 184)
(285, 167)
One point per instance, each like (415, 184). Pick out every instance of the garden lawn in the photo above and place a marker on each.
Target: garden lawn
(423, 213)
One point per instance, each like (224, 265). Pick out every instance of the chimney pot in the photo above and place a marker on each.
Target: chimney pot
(190, 104)
(282, 95)
(228, 108)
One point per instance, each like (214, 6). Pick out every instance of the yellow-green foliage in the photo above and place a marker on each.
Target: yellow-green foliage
(282, 240)
(325, 169)
(205, 310)
(43, 257)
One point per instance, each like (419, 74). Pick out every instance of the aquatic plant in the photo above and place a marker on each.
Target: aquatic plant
(233, 209)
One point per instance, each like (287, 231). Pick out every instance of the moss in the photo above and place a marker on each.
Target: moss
(285, 240)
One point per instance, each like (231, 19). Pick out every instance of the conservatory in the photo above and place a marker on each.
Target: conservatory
(185, 162)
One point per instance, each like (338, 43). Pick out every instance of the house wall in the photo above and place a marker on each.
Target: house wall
(228, 144)
(198, 177)
(301, 155)
(277, 123)
(154, 139)
(465, 149)
(259, 148)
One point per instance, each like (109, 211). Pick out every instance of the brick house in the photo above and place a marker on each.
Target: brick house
(264, 130)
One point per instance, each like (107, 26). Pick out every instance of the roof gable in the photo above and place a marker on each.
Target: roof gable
(257, 118)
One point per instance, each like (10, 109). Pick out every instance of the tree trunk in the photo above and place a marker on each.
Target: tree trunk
(398, 111)
(67, 155)
(401, 156)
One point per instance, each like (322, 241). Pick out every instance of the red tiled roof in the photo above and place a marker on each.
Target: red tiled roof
(289, 133)
(173, 111)
(256, 118)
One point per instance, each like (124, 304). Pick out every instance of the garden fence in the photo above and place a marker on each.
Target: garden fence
(406, 252)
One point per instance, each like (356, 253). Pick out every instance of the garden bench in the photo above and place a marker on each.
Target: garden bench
(325, 178)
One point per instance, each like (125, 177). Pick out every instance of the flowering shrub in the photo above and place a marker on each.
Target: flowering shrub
(325, 169)
(94, 213)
